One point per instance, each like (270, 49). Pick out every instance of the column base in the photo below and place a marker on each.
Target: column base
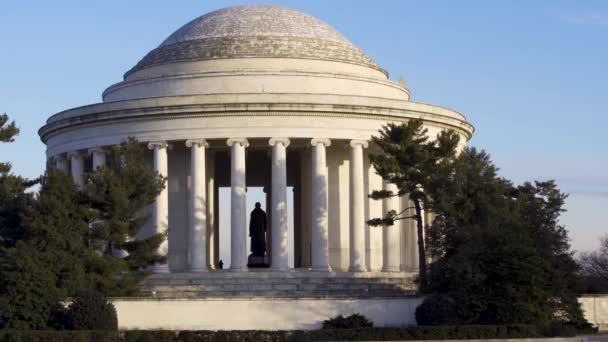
(357, 269)
(391, 269)
(409, 269)
(199, 270)
(280, 269)
(161, 268)
(321, 268)
(238, 269)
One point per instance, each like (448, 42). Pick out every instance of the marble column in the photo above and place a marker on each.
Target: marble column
(77, 166)
(61, 163)
(197, 237)
(238, 201)
(390, 234)
(278, 197)
(411, 237)
(357, 207)
(160, 210)
(99, 157)
(212, 235)
(320, 229)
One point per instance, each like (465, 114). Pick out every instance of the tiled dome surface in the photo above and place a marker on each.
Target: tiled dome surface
(255, 31)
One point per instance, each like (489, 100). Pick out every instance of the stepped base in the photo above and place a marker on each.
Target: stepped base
(257, 313)
(268, 284)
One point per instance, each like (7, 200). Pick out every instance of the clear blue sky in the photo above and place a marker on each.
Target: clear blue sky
(532, 76)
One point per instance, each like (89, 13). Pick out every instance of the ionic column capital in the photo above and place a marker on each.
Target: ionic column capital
(197, 142)
(75, 154)
(59, 157)
(157, 144)
(242, 141)
(98, 149)
(274, 141)
(362, 143)
(316, 141)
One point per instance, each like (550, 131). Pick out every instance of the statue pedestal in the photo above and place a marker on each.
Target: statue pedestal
(257, 261)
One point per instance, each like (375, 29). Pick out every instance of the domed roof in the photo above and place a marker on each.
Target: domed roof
(255, 31)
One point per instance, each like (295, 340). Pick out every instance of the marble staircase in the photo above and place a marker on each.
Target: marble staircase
(268, 284)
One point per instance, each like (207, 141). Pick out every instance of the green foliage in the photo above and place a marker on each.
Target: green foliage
(437, 310)
(7, 335)
(45, 266)
(354, 321)
(7, 134)
(360, 334)
(364, 334)
(13, 198)
(14, 203)
(117, 194)
(90, 310)
(65, 239)
(499, 251)
(28, 288)
(161, 336)
(416, 165)
(412, 161)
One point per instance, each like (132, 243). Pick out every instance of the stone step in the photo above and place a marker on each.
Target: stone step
(270, 284)
(153, 282)
(280, 287)
(279, 294)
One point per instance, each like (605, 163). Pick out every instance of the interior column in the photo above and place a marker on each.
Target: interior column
(160, 210)
(238, 200)
(320, 230)
(99, 157)
(357, 209)
(390, 234)
(197, 237)
(77, 161)
(61, 163)
(278, 197)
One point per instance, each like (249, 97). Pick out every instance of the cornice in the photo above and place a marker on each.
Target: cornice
(170, 112)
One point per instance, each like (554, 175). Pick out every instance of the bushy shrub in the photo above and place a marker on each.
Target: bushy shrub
(9, 335)
(437, 310)
(90, 310)
(354, 321)
(362, 334)
(152, 336)
(59, 313)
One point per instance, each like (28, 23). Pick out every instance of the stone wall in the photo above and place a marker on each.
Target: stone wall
(285, 314)
(257, 314)
(596, 310)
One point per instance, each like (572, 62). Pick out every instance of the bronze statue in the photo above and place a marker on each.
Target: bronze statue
(257, 231)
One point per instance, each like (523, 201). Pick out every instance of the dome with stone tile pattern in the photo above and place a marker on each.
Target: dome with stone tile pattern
(255, 31)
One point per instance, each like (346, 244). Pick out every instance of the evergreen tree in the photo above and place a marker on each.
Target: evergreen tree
(415, 164)
(13, 197)
(538, 206)
(498, 251)
(7, 134)
(45, 266)
(118, 195)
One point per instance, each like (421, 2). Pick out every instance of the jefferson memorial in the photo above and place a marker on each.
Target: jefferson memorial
(259, 96)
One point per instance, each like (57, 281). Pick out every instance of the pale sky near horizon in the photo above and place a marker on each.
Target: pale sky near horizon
(531, 76)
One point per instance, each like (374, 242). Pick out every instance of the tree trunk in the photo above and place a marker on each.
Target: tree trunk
(421, 249)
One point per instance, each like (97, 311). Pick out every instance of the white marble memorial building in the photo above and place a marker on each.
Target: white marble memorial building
(268, 97)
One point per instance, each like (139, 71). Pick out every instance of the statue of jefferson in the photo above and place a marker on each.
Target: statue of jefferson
(257, 231)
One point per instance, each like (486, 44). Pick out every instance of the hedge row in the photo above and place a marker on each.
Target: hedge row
(364, 334)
